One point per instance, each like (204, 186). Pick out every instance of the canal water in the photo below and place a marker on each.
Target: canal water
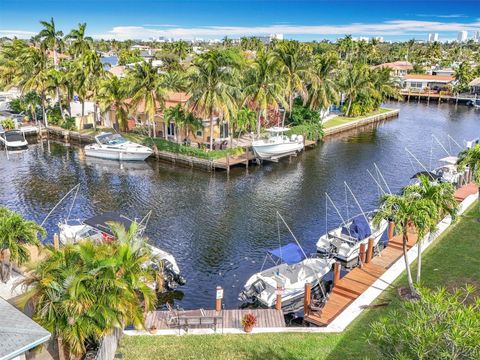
(219, 227)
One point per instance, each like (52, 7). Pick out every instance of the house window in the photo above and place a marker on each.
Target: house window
(417, 85)
(224, 130)
(199, 133)
(171, 129)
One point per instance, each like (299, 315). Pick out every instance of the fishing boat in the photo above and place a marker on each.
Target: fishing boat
(277, 144)
(291, 272)
(344, 242)
(115, 147)
(13, 139)
(97, 228)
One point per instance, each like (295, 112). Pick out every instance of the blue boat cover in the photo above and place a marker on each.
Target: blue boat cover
(359, 228)
(290, 253)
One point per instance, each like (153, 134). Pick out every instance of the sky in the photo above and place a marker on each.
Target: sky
(395, 20)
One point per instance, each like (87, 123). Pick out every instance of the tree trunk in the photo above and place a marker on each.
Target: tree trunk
(348, 107)
(211, 130)
(405, 257)
(419, 260)
(290, 104)
(154, 129)
(83, 108)
(45, 120)
(59, 99)
(95, 116)
(259, 122)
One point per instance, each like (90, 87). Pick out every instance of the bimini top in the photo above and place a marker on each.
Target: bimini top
(100, 222)
(450, 160)
(359, 228)
(429, 174)
(290, 253)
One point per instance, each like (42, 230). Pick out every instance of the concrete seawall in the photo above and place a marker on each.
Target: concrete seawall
(361, 122)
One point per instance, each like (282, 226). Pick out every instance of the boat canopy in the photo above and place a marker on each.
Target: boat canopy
(290, 253)
(277, 129)
(14, 135)
(359, 228)
(450, 160)
(100, 222)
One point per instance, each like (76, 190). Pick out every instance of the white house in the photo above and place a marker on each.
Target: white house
(420, 82)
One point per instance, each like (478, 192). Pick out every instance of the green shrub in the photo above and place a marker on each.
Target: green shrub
(69, 123)
(311, 131)
(303, 114)
(8, 124)
(440, 325)
(165, 145)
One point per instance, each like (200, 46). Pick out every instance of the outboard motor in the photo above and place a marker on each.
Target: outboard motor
(172, 279)
(255, 289)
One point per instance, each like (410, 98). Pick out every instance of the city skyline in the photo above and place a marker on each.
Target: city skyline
(302, 20)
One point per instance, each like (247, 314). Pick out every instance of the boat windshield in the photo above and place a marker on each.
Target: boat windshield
(111, 139)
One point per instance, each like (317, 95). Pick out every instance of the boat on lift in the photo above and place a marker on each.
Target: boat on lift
(291, 271)
(13, 139)
(277, 144)
(98, 228)
(115, 147)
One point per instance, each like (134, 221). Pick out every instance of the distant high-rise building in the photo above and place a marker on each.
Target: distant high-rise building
(476, 37)
(462, 36)
(432, 37)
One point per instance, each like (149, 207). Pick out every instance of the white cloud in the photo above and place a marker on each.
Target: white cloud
(16, 33)
(387, 28)
(449, 16)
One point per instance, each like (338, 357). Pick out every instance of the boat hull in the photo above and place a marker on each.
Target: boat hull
(116, 154)
(268, 151)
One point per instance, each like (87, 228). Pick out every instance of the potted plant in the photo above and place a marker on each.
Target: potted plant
(248, 322)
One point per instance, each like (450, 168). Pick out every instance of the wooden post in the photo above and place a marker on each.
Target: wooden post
(228, 163)
(218, 299)
(56, 241)
(336, 273)
(362, 254)
(278, 301)
(391, 228)
(307, 298)
(369, 251)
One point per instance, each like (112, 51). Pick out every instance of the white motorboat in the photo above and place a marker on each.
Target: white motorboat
(13, 139)
(115, 147)
(277, 144)
(98, 229)
(448, 171)
(344, 242)
(291, 272)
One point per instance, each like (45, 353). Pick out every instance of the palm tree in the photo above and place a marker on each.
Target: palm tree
(323, 90)
(181, 49)
(244, 121)
(84, 291)
(32, 100)
(80, 43)
(212, 89)
(346, 46)
(442, 196)
(149, 87)
(112, 95)
(471, 158)
(293, 61)
(182, 119)
(355, 81)
(16, 234)
(263, 89)
(408, 211)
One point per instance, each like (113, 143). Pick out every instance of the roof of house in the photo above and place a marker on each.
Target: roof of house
(117, 70)
(18, 333)
(474, 82)
(396, 65)
(439, 78)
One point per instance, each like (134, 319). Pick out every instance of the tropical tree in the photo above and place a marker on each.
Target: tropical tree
(442, 195)
(263, 86)
(16, 234)
(292, 60)
(212, 87)
(346, 46)
(79, 42)
(86, 290)
(112, 96)
(408, 212)
(149, 87)
(323, 90)
(244, 121)
(181, 49)
(354, 82)
(471, 158)
(182, 120)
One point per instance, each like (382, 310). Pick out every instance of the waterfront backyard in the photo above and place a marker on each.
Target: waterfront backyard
(451, 262)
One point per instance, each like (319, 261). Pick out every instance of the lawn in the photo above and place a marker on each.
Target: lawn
(340, 120)
(452, 261)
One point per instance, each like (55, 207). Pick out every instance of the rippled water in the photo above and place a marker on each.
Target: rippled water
(220, 227)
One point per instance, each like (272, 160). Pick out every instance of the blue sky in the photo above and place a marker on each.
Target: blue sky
(301, 19)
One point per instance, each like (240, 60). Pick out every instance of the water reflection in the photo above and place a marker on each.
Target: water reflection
(220, 227)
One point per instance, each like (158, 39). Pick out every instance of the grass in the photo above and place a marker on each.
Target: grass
(340, 120)
(452, 261)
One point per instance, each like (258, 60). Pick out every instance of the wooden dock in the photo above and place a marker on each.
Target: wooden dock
(357, 281)
(229, 161)
(225, 319)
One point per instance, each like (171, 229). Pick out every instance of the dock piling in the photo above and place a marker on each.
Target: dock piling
(307, 298)
(369, 250)
(278, 300)
(391, 228)
(362, 255)
(56, 241)
(218, 299)
(336, 273)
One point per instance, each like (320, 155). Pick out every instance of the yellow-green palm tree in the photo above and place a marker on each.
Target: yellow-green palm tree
(112, 95)
(79, 42)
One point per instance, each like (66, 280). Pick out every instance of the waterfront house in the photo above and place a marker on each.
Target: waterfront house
(444, 72)
(398, 69)
(475, 86)
(423, 83)
(18, 333)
